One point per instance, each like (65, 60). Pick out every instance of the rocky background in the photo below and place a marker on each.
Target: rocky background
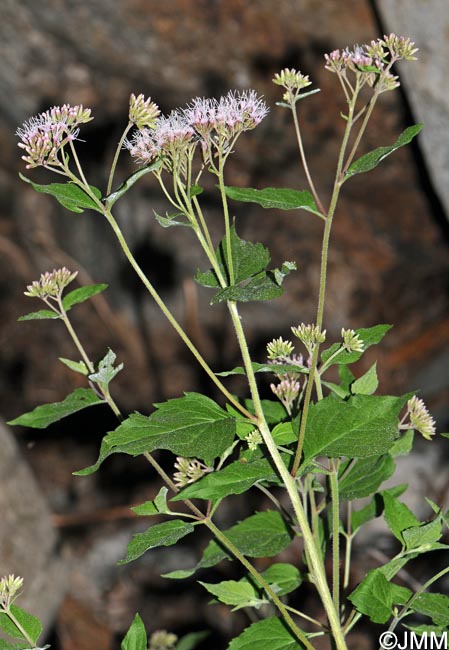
(388, 260)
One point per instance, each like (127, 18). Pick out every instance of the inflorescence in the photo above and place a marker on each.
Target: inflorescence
(44, 135)
(214, 123)
(51, 284)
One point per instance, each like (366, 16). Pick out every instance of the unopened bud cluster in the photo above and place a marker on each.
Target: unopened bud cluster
(419, 418)
(372, 62)
(293, 82)
(142, 112)
(310, 336)
(44, 135)
(278, 349)
(254, 439)
(51, 284)
(10, 587)
(352, 341)
(162, 640)
(189, 471)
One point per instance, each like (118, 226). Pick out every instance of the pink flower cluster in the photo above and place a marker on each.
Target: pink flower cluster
(212, 122)
(43, 135)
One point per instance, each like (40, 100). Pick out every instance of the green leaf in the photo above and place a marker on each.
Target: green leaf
(264, 534)
(171, 220)
(129, 182)
(403, 445)
(31, 625)
(24, 645)
(369, 336)
(69, 195)
(436, 606)
(190, 641)
(364, 476)
(398, 516)
(251, 281)
(42, 314)
(106, 371)
(278, 369)
(46, 414)
(192, 426)
(136, 637)
(155, 507)
(373, 597)
(195, 190)
(268, 634)
(236, 478)
(260, 287)
(284, 433)
(361, 517)
(283, 578)
(165, 534)
(236, 593)
(363, 426)
(373, 158)
(299, 97)
(273, 410)
(76, 366)
(367, 384)
(81, 294)
(426, 533)
(272, 197)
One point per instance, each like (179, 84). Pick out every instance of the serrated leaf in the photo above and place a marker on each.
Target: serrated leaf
(264, 534)
(284, 433)
(373, 158)
(236, 478)
(233, 592)
(373, 597)
(81, 294)
(367, 384)
(403, 445)
(129, 182)
(165, 534)
(261, 287)
(42, 416)
(272, 197)
(42, 314)
(398, 516)
(283, 578)
(268, 634)
(426, 533)
(192, 426)
(106, 370)
(364, 425)
(190, 641)
(68, 194)
(155, 507)
(30, 624)
(136, 636)
(436, 606)
(76, 366)
(369, 336)
(365, 476)
(273, 410)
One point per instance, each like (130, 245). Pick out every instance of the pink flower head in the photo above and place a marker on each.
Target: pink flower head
(43, 135)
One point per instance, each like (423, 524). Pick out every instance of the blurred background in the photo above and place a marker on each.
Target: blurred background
(388, 264)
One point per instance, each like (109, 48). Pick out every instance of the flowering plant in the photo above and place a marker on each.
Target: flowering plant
(318, 446)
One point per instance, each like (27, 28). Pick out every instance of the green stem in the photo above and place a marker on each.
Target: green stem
(20, 627)
(322, 291)
(335, 501)
(226, 221)
(304, 161)
(316, 563)
(263, 583)
(349, 537)
(117, 154)
(172, 320)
